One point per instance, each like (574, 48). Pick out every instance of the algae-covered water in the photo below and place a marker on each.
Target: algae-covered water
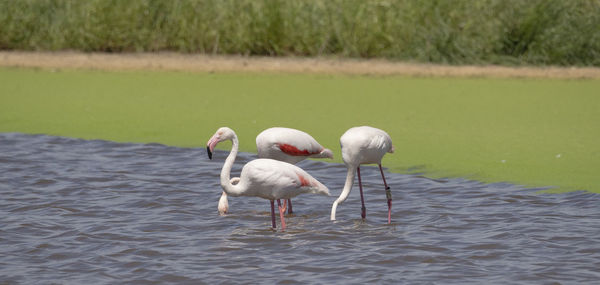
(78, 211)
(528, 131)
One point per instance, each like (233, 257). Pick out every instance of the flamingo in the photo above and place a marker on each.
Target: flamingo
(289, 145)
(283, 144)
(265, 178)
(363, 145)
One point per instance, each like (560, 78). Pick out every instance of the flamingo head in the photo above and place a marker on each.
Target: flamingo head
(222, 134)
(327, 153)
(223, 206)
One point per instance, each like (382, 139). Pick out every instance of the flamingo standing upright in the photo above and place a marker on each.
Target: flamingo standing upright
(363, 145)
(265, 178)
(283, 144)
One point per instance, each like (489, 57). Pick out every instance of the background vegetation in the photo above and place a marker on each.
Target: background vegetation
(539, 32)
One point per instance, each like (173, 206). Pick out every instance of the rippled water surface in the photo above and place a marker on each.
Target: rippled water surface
(75, 211)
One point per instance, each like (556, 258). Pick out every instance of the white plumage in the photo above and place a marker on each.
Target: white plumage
(289, 145)
(271, 179)
(363, 145)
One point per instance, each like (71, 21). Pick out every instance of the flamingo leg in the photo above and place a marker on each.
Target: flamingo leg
(289, 201)
(363, 210)
(281, 212)
(273, 214)
(388, 194)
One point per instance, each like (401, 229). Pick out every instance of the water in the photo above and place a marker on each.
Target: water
(76, 211)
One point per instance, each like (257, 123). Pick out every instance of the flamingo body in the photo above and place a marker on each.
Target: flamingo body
(289, 145)
(363, 145)
(271, 179)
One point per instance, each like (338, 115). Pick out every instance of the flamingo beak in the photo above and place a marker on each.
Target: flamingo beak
(210, 145)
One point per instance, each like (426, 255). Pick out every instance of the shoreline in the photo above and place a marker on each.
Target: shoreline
(169, 61)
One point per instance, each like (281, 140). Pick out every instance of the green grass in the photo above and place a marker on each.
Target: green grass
(511, 32)
(531, 132)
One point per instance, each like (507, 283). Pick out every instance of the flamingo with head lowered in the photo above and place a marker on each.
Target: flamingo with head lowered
(265, 178)
(289, 145)
(363, 145)
(283, 144)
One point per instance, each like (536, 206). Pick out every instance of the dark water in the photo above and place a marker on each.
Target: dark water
(76, 211)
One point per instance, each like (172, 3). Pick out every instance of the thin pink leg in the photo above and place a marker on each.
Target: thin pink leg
(281, 212)
(388, 194)
(363, 211)
(273, 214)
(290, 206)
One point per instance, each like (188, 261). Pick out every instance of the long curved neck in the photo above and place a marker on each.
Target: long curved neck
(345, 191)
(348, 185)
(229, 188)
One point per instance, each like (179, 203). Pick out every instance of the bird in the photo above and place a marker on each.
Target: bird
(363, 145)
(265, 178)
(289, 145)
(283, 144)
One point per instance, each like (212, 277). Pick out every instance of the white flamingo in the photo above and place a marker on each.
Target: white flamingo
(363, 145)
(289, 145)
(283, 144)
(265, 178)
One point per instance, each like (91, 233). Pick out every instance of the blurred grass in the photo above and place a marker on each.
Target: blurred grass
(510, 32)
(533, 132)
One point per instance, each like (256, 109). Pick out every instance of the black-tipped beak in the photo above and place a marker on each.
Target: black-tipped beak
(209, 152)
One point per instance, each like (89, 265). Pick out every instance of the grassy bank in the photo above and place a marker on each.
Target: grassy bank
(541, 32)
(534, 132)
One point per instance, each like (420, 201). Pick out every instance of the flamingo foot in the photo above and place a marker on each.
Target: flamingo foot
(282, 212)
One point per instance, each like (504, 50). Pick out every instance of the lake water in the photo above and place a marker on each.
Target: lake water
(78, 211)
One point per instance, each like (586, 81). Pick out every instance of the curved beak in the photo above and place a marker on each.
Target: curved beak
(210, 145)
